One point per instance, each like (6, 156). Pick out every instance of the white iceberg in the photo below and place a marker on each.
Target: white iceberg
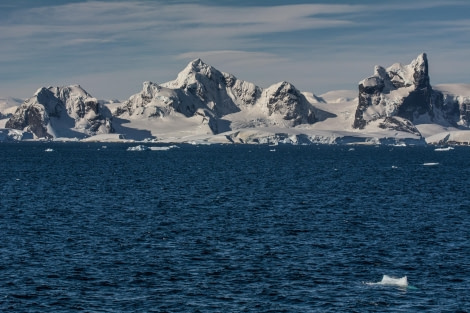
(138, 148)
(392, 281)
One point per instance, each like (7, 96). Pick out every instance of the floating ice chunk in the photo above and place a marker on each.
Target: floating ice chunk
(138, 148)
(392, 281)
(163, 148)
(444, 149)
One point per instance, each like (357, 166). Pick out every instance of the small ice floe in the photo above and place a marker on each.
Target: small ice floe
(431, 164)
(444, 149)
(391, 281)
(163, 148)
(138, 148)
(400, 144)
(49, 150)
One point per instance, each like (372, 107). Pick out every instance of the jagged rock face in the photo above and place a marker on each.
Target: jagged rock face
(31, 116)
(400, 90)
(452, 106)
(70, 106)
(243, 93)
(285, 100)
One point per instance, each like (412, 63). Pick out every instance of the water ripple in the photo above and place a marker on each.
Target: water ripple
(233, 228)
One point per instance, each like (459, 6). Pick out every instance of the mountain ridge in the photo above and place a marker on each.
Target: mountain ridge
(202, 104)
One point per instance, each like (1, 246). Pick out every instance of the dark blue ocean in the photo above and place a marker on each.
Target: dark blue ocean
(233, 228)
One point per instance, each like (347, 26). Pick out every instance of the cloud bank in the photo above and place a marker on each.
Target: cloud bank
(318, 46)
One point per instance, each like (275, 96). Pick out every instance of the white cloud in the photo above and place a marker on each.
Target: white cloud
(151, 19)
(311, 45)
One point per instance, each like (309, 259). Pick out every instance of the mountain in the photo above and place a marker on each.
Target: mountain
(452, 104)
(401, 96)
(396, 105)
(401, 91)
(8, 106)
(201, 90)
(61, 112)
(205, 87)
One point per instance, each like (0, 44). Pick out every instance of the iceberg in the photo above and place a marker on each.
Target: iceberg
(392, 281)
(138, 148)
(444, 149)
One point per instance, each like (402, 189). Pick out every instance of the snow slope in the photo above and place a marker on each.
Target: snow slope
(8, 107)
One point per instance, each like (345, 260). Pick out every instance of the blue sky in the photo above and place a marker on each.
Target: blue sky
(111, 47)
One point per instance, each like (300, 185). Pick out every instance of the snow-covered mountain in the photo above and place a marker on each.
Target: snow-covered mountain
(56, 112)
(452, 104)
(202, 91)
(397, 105)
(8, 106)
(401, 97)
(397, 95)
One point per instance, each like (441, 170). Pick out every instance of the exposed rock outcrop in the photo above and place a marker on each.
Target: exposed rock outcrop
(405, 91)
(400, 90)
(452, 103)
(284, 100)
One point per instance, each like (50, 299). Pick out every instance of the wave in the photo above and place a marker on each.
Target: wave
(392, 281)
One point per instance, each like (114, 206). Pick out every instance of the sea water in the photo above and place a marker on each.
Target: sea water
(233, 228)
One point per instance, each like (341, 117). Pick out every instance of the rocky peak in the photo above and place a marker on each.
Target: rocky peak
(197, 74)
(70, 104)
(150, 90)
(198, 66)
(207, 87)
(52, 105)
(283, 92)
(399, 90)
(421, 71)
(287, 101)
(153, 101)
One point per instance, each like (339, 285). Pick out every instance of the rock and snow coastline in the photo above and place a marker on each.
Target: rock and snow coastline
(395, 106)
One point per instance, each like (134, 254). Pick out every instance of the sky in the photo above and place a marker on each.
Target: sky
(111, 47)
